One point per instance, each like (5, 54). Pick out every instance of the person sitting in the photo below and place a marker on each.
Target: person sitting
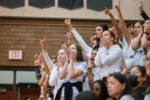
(137, 79)
(118, 87)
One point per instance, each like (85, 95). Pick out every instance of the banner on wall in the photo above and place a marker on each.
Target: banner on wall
(70, 4)
(42, 3)
(99, 5)
(12, 3)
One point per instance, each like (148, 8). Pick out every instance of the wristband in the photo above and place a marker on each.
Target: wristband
(47, 76)
(146, 33)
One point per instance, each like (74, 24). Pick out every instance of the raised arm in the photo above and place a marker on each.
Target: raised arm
(144, 15)
(123, 68)
(115, 23)
(42, 42)
(136, 42)
(44, 87)
(145, 41)
(47, 59)
(46, 69)
(90, 75)
(122, 24)
(41, 80)
(43, 93)
(78, 37)
(145, 38)
(142, 12)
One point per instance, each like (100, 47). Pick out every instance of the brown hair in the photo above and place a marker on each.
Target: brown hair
(116, 40)
(79, 56)
(138, 22)
(122, 80)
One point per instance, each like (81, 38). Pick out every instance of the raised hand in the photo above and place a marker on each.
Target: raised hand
(117, 6)
(36, 56)
(64, 46)
(67, 22)
(68, 35)
(42, 42)
(69, 42)
(141, 7)
(107, 12)
(37, 61)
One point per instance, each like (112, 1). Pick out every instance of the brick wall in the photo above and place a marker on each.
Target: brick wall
(25, 34)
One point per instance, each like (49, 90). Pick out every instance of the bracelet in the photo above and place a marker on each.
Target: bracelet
(47, 76)
(146, 33)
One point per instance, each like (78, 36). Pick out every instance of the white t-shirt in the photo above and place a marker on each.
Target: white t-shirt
(137, 57)
(127, 97)
(96, 73)
(147, 97)
(54, 80)
(48, 61)
(86, 86)
(109, 60)
(82, 43)
(125, 49)
(77, 65)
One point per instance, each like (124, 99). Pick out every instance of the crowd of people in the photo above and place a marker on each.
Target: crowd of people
(115, 67)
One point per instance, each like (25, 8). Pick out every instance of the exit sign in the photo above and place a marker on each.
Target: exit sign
(15, 54)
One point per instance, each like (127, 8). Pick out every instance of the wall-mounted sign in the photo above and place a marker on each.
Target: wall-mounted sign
(15, 54)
